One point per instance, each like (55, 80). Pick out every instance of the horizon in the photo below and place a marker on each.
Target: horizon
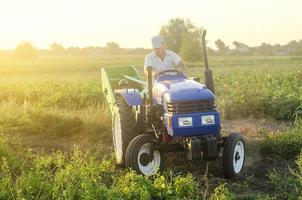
(231, 46)
(94, 23)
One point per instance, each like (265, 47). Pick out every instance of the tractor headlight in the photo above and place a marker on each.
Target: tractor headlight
(207, 119)
(185, 121)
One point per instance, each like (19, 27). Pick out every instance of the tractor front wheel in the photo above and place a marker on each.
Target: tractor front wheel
(123, 128)
(140, 158)
(233, 155)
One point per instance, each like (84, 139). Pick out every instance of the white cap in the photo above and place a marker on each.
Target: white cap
(157, 41)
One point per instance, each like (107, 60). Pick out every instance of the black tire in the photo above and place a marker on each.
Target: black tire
(134, 156)
(125, 118)
(231, 170)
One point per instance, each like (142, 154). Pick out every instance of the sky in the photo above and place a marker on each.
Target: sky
(132, 23)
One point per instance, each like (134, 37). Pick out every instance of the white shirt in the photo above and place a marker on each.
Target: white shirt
(170, 61)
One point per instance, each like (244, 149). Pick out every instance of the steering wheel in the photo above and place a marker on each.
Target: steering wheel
(164, 72)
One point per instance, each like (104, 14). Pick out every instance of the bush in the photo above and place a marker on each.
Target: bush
(285, 184)
(25, 50)
(287, 145)
(297, 192)
(242, 94)
(4, 148)
(82, 175)
(133, 186)
(222, 193)
(7, 185)
(185, 187)
(80, 178)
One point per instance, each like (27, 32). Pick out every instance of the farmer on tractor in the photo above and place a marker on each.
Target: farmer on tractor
(170, 112)
(161, 59)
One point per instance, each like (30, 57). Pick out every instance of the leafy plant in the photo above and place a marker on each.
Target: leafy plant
(222, 193)
(286, 145)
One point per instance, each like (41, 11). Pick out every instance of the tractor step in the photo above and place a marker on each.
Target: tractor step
(211, 150)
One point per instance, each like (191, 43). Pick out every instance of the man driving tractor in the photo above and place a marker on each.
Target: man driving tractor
(168, 113)
(161, 59)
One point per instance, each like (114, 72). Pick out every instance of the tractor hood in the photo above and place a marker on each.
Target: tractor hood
(176, 88)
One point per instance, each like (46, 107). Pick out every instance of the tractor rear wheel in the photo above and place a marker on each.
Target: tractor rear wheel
(138, 156)
(233, 155)
(123, 129)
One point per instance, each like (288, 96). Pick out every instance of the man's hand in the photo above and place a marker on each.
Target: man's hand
(181, 67)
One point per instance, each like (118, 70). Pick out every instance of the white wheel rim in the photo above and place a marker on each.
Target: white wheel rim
(238, 157)
(117, 138)
(153, 166)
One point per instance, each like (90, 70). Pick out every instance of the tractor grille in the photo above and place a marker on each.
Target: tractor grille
(191, 106)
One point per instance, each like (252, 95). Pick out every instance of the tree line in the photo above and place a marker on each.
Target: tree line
(27, 50)
(184, 37)
(181, 36)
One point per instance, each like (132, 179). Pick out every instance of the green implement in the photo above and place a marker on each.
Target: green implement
(117, 78)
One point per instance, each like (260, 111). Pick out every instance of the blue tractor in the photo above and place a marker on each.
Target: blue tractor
(169, 114)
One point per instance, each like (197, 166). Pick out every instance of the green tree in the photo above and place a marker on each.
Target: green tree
(299, 51)
(294, 48)
(241, 48)
(112, 47)
(191, 49)
(25, 50)
(74, 51)
(222, 48)
(265, 49)
(57, 48)
(183, 37)
(174, 32)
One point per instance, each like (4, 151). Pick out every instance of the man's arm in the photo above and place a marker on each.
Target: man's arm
(181, 67)
(179, 64)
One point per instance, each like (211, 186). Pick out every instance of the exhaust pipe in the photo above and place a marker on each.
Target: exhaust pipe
(208, 75)
(149, 80)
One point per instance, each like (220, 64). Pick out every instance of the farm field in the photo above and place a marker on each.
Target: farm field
(56, 140)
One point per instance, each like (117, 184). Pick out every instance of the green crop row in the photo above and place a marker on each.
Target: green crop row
(259, 94)
(30, 120)
(86, 175)
(73, 94)
(239, 94)
(287, 144)
(82, 175)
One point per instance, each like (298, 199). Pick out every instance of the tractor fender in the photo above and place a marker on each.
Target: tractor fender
(131, 96)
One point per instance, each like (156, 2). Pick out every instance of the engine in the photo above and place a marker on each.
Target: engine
(189, 107)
